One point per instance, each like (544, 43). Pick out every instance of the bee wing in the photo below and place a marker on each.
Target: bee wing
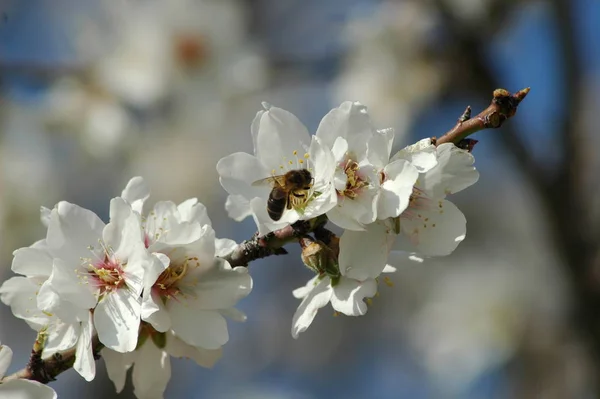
(270, 181)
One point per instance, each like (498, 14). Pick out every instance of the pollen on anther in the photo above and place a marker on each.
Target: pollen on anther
(336, 314)
(295, 152)
(306, 155)
(290, 162)
(369, 301)
(301, 161)
(273, 171)
(388, 282)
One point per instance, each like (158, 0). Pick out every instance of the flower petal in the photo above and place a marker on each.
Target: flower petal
(203, 357)
(237, 207)
(277, 135)
(32, 262)
(117, 320)
(379, 147)
(26, 389)
(318, 297)
(350, 121)
(20, 294)
(151, 372)
(117, 365)
(364, 254)
(71, 231)
(136, 193)
(238, 171)
(400, 177)
(155, 312)
(301, 292)
(193, 211)
(422, 154)
(434, 232)
(204, 328)
(454, 172)
(220, 287)
(349, 294)
(85, 364)
(224, 246)
(6, 355)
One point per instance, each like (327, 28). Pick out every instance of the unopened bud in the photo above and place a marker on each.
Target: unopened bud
(319, 257)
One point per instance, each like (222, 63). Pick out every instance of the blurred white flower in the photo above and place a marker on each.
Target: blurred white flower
(20, 389)
(281, 144)
(189, 290)
(152, 364)
(433, 225)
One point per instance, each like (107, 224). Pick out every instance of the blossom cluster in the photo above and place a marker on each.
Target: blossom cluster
(382, 202)
(145, 286)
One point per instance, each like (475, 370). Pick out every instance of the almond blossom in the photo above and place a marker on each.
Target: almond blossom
(190, 289)
(281, 143)
(433, 225)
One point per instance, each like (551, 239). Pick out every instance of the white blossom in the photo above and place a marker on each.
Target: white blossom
(281, 143)
(20, 388)
(188, 289)
(433, 225)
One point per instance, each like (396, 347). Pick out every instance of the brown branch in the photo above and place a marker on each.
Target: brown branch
(259, 247)
(503, 106)
(46, 370)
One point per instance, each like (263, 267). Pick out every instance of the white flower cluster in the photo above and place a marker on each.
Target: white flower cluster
(145, 287)
(346, 172)
(18, 388)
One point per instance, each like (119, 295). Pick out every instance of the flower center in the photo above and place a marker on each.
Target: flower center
(107, 274)
(354, 181)
(171, 282)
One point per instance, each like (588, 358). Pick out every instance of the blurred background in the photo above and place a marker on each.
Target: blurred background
(93, 92)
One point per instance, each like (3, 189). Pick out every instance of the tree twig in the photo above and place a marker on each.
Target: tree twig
(503, 106)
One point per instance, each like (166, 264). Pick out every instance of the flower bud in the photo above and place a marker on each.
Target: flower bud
(319, 257)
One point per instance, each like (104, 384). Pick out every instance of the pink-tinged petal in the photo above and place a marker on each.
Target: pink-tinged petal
(193, 211)
(349, 294)
(350, 121)
(224, 246)
(159, 263)
(400, 177)
(422, 155)
(151, 372)
(203, 328)
(20, 294)
(434, 232)
(454, 172)
(6, 355)
(379, 147)
(117, 320)
(203, 357)
(237, 207)
(32, 262)
(238, 171)
(71, 231)
(364, 254)
(277, 134)
(155, 312)
(220, 287)
(310, 305)
(136, 193)
(26, 389)
(85, 364)
(117, 365)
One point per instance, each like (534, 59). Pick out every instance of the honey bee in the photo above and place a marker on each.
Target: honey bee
(288, 190)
